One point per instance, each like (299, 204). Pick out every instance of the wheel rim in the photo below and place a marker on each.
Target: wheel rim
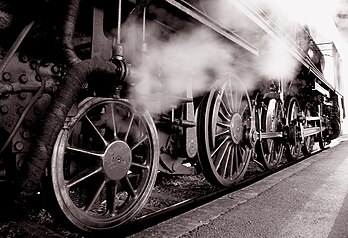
(323, 144)
(294, 147)
(270, 151)
(324, 137)
(223, 123)
(104, 164)
(309, 141)
(323, 141)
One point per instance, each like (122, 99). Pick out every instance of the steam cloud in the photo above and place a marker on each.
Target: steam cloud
(199, 57)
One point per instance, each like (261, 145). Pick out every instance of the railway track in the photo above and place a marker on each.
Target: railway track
(171, 197)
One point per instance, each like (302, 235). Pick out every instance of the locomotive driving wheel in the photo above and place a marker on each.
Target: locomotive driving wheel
(223, 124)
(104, 164)
(270, 150)
(323, 136)
(309, 141)
(294, 144)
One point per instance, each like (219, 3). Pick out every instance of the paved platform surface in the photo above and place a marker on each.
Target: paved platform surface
(309, 199)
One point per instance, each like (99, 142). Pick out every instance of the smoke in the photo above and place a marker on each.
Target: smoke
(193, 57)
(321, 18)
(196, 57)
(179, 54)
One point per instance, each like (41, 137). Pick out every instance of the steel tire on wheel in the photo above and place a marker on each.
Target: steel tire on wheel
(293, 149)
(309, 141)
(104, 164)
(323, 142)
(223, 123)
(270, 151)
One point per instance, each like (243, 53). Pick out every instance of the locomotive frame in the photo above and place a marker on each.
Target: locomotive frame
(101, 147)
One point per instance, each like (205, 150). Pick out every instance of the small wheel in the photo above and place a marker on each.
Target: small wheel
(336, 126)
(104, 164)
(309, 141)
(323, 139)
(323, 144)
(223, 123)
(270, 151)
(294, 145)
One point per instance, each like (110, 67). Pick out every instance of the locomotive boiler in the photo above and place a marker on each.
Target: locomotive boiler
(97, 97)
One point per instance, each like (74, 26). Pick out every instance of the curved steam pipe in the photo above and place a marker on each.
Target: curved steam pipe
(34, 166)
(68, 32)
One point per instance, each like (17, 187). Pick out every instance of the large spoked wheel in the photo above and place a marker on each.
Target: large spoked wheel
(294, 145)
(309, 141)
(104, 164)
(224, 123)
(270, 150)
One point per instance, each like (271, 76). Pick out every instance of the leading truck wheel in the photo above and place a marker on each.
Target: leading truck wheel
(223, 123)
(104, 164)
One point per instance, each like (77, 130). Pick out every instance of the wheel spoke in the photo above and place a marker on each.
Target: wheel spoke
(129, 127)
(245, 154)
(141, 140)
(272, 151)
(97, 131)
(85, 152)
(111, 189)
(146, 167)
(232, 163)
(225, 108)
(226, 160)
(220, 157)
(236, 98)
(222, 133)
(95, 197)
(218, 148)
(230, 96)
(236, 156)
(223, 116)
(243, 110)
(224, 125)
(83, 175)
(129, 187)
(114, 122)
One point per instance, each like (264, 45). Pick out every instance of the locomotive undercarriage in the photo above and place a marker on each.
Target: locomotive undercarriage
(76, 123)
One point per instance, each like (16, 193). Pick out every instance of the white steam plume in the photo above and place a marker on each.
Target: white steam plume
(194, 56)
(198, 56)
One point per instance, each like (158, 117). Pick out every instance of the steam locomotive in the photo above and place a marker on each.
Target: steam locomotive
(97, 97)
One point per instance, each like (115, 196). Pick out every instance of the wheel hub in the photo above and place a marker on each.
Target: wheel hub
(236, 128)
(117, 160)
